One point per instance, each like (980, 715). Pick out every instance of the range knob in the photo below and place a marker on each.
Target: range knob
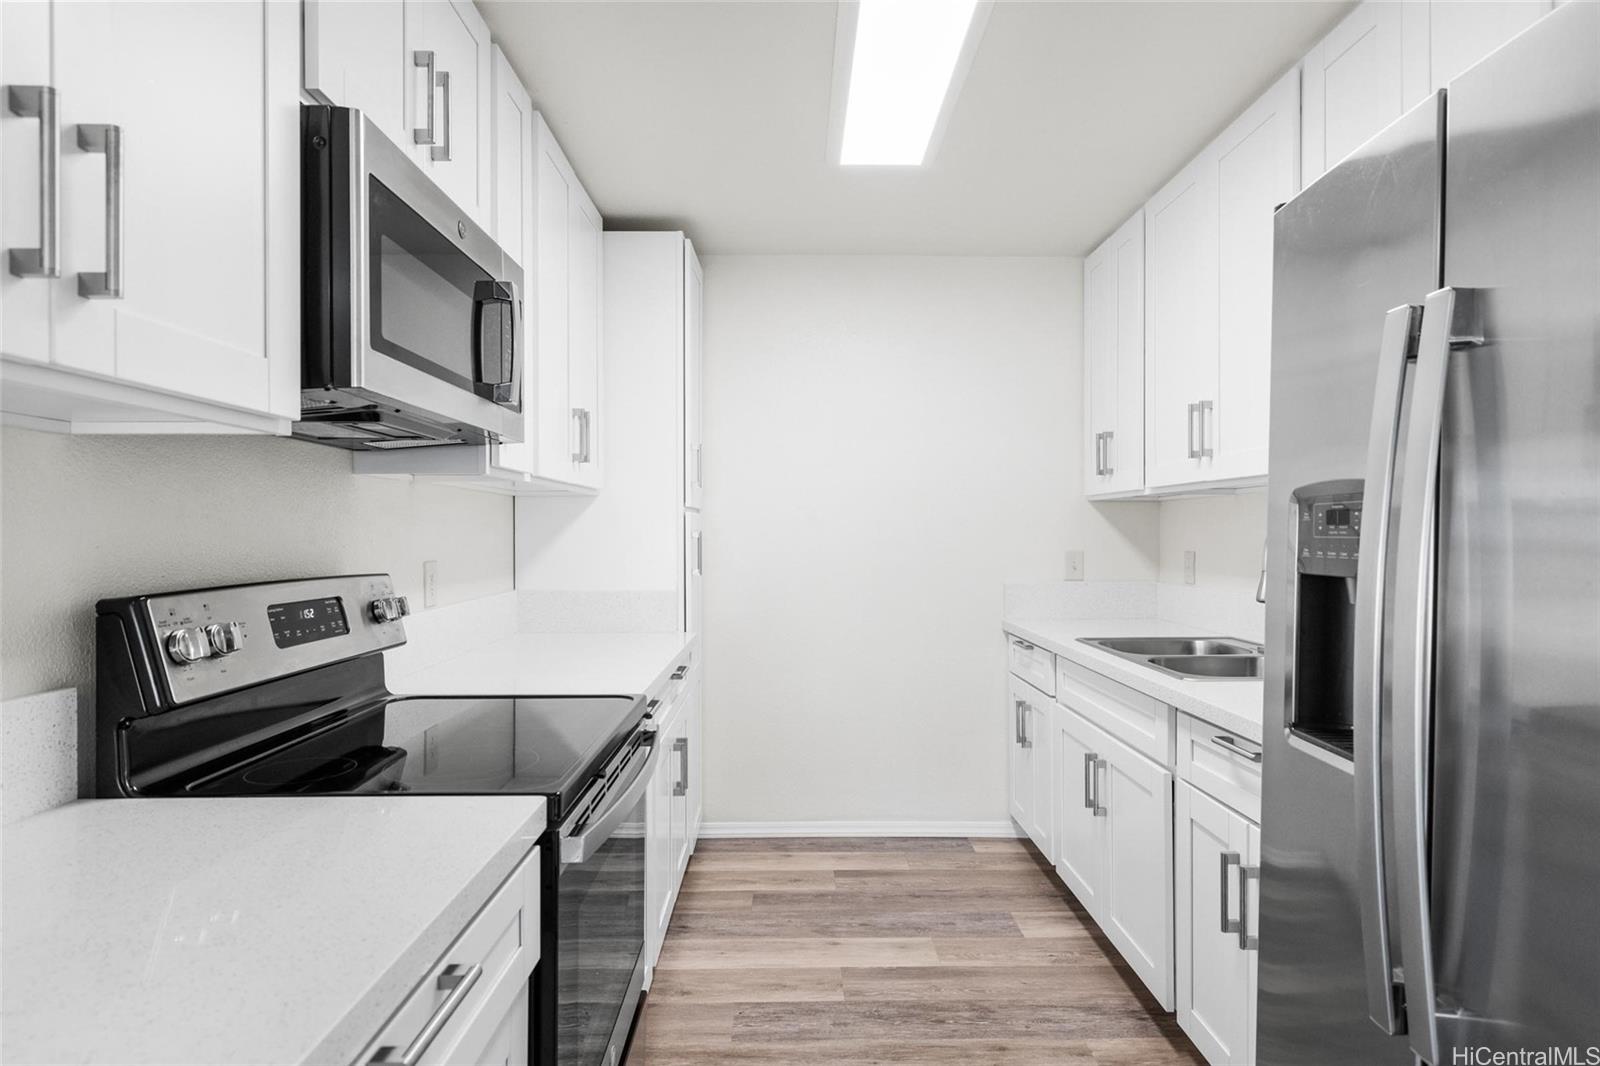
(389, 608)
(225, 637)
(188, 645)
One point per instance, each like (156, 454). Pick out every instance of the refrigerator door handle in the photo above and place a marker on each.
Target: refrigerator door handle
(1398, 347)
(1442, 332)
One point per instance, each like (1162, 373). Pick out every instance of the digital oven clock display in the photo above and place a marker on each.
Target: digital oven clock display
(306, 621)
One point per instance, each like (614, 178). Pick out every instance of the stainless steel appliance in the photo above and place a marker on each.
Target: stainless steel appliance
(411, 314)
(1431, 803)
(278, 689)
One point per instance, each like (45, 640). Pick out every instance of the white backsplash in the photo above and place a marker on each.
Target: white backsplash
(603, 611)
(1221, 610)
(440, 633)
(1081, 599)
(38, 753)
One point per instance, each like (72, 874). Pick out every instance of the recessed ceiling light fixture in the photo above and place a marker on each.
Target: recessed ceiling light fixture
(898, 66)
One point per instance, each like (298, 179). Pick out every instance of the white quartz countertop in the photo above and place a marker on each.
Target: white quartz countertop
(552, 664)
(1231, 704)
(251, 930)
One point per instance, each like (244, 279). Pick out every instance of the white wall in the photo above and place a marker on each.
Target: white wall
(86, 517)
(1226, 534)
(888, 439)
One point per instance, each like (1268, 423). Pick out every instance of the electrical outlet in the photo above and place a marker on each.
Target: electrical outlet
(1075, 566)
(1188, 568)
(430, 583)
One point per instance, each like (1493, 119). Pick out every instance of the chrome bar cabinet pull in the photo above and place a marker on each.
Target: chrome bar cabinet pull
(457, 980)
(1230, 925)
(440, 153)
(1233, 747)
(1188, 433)
(424, 59)
(106, 139)
(681, 746)
(1247, 941)
(40, 102)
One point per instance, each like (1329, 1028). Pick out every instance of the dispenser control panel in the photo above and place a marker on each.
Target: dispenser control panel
(1328, 539)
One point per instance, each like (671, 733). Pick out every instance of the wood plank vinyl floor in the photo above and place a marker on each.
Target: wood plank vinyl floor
(850, 952)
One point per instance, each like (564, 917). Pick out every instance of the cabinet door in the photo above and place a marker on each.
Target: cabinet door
(1355, 83)
(1181, 324)
(355, 56)
(585, 283)
(192, 317)
(1114, 360)
(693, 457)
(554, 192)
(25, 224)
(1137, 796)
(1215, 973)
(511, 153)
(1020, 765)
(1041, 808)
(1258, 167)
(1080, 830)
(452, 110)
(1461, 32)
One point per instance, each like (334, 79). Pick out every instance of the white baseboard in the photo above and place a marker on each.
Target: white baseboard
(1005, 828)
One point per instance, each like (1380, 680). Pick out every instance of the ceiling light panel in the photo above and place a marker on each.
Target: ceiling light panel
(901, 68)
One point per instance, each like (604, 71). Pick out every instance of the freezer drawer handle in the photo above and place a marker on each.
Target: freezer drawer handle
(1233, 747)
(1247, 874)
(40, 102)
(1228, 860)
(457, 980)
(107, 284)
(1396, 350)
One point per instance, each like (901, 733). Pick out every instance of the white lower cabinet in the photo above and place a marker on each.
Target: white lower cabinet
(1114, 843)
(1030, 777)
(472, 1005)
(673, 808)
(1218, 857)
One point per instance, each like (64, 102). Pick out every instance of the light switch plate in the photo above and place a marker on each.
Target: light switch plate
(1188, 568)
(1074, 566)
(430, 583)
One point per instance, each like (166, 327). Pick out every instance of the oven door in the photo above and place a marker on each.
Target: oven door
(600, 918)
(434, 315)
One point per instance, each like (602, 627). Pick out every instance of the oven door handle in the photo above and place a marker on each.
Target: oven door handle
(581, 846)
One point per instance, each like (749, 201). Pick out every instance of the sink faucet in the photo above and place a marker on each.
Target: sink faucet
(1261, 585)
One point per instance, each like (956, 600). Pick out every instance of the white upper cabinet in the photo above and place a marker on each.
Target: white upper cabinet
(355, 53)
(1180, 306)
(511, 159)
(693, 330)
(447, 100)
(1461, 32)
(1113, 341)
(175, 297)
(1355, 82)
(1208, 298)
(584, 284)
(1258, 168)
(421, 71)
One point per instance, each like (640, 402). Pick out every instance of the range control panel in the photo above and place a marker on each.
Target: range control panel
(1328, 536)
(212, 641)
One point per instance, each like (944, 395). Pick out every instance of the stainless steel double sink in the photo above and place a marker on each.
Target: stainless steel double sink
(1191, 658)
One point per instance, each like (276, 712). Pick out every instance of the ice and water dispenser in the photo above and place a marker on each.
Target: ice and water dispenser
(1327, 536)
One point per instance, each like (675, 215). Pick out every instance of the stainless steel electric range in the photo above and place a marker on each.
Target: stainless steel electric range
(278, 689)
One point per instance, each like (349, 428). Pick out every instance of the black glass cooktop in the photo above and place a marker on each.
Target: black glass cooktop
(548, 746)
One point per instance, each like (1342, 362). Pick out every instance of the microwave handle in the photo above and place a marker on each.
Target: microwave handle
(495, 327)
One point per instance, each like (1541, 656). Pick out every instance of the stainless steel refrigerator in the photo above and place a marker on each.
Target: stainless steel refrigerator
(1431, 815)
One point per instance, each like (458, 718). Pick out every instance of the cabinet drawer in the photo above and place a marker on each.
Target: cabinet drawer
(1141, 722)
(1219, 763)
(458, 1007)
(1032, 663)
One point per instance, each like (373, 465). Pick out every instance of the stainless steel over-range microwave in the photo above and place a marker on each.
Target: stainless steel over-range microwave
(411, 314)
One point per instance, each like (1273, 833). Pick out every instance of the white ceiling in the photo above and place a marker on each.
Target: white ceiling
(713, 117)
